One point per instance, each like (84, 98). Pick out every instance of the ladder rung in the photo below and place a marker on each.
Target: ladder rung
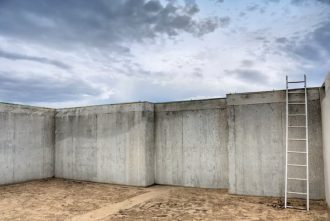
(294, 92)
(297, 126)
(299, 193)
(296, 114)
(296, 103)
(297, 165)
(293, 151)
(297, 139)
(295, 82)
(294, 178)
(296, 207)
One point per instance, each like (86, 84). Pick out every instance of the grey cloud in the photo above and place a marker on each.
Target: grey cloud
(314, 47)
(224, 21)
(324, 1)
(198, 73)
(322, 36)
(153, 6)
(298, 2)
(248, 75)
(15, 56)
(36, 89)
(309, 52)
(247, 63)
(100, 22)
(281, 40)
(252, 7)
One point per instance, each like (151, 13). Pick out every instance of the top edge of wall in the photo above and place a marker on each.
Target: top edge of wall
(106, 105)
(108, 108)
(214, 103)
(264, 97)
(19, 108)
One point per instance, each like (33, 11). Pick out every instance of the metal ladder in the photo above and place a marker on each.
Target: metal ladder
(290, 141)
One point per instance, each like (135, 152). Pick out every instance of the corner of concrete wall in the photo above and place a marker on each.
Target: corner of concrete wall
(325, 107)
(26, 143)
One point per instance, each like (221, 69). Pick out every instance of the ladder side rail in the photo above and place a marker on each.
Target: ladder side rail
(286, 144)
(307, 155)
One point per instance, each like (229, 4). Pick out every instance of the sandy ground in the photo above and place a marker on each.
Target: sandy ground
(58, 199)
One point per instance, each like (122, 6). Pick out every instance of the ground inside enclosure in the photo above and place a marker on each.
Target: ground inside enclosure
(58, 199)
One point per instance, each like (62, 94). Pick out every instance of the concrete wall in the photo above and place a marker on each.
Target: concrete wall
(325, 103)
(237, 142)
(110, 143)
(257, 144)
(191, 143)
(26, 143)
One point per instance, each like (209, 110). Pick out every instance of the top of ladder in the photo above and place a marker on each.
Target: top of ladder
(296, 82)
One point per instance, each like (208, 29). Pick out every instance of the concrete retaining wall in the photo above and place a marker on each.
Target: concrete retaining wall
(325, 102)
(191, 143)
(237, 142)
(110, 143)
(257, 144)
(26, 143)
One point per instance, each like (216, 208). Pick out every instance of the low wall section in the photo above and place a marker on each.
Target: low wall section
(26, 143)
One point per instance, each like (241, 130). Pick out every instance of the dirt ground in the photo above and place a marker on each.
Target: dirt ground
(58, 199)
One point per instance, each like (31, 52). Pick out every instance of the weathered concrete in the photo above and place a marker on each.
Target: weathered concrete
(257, 144)
(26, 143)
(191, 143)
(110, 143)
(325, 104)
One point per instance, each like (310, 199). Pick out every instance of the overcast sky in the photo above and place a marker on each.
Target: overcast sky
(83, 52)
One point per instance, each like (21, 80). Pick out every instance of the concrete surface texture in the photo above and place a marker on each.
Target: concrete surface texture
(110, 143)
(325, 102)
(26, 143)
(257, 144)
(191, 143)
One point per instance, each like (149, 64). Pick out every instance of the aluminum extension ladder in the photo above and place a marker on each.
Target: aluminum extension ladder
(296, 112)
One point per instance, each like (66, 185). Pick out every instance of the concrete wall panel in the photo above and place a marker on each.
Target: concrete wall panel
(111, 144)
(26, 143)
(191, 143)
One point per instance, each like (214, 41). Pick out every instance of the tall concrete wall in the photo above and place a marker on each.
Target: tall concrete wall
(257, 144)
(325, 103)
(110, 143)
(26, 143)
(191, 143)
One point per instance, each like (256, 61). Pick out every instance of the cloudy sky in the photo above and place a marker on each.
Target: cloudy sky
(82, 52)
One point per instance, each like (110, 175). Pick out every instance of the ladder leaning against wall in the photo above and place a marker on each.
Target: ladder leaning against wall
(296, 157)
